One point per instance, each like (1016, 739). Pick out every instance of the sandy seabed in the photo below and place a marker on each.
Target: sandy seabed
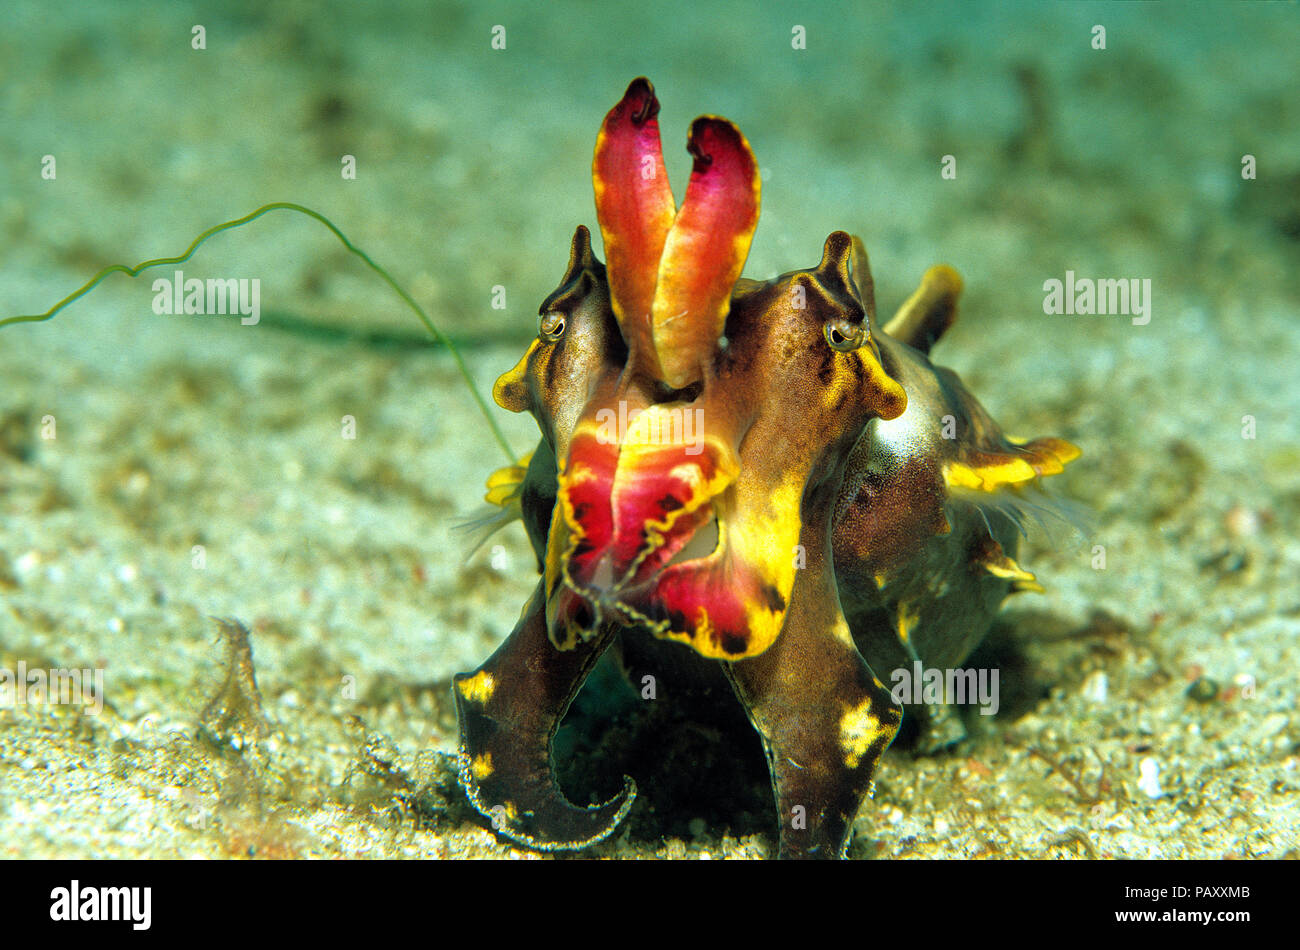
(197, 468)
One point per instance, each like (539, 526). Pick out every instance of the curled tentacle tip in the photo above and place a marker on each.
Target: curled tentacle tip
(640, 100)
(715, 139)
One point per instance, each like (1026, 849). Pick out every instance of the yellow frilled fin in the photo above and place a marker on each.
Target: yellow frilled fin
(1021, 462)
(505, 484)
(505, 495)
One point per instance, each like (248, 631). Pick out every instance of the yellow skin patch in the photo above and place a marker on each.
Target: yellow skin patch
(859, 728)
(563, 635)
(907, 619)
(481, 766)
(769, 533)
(841, 383)
(840, 631)
(478, 688)
(891, 397)
(1022, 580)
(767, 538)
(510, 386)
(577, 474)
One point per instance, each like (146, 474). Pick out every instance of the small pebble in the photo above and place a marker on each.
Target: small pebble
(1272, 725)
(1149, 777)
(1096, 687)
(1241, 522)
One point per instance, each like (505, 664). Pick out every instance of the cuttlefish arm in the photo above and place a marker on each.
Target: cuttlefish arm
(824, 718)
(508, 710)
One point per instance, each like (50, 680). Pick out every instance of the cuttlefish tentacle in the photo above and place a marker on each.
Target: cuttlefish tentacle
(824, 718)
(671, 272)
(508, 710)
(635, 208)
(705, 250)
(926, 316)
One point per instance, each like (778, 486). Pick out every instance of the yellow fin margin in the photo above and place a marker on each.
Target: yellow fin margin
(989, 471)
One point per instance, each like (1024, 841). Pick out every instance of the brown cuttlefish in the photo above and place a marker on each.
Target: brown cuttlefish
(749, 477)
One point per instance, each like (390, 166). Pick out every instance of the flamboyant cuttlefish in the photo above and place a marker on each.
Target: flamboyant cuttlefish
(748, 476)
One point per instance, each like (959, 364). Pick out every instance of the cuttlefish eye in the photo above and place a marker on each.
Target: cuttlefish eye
(844, 335)
(552, 326)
